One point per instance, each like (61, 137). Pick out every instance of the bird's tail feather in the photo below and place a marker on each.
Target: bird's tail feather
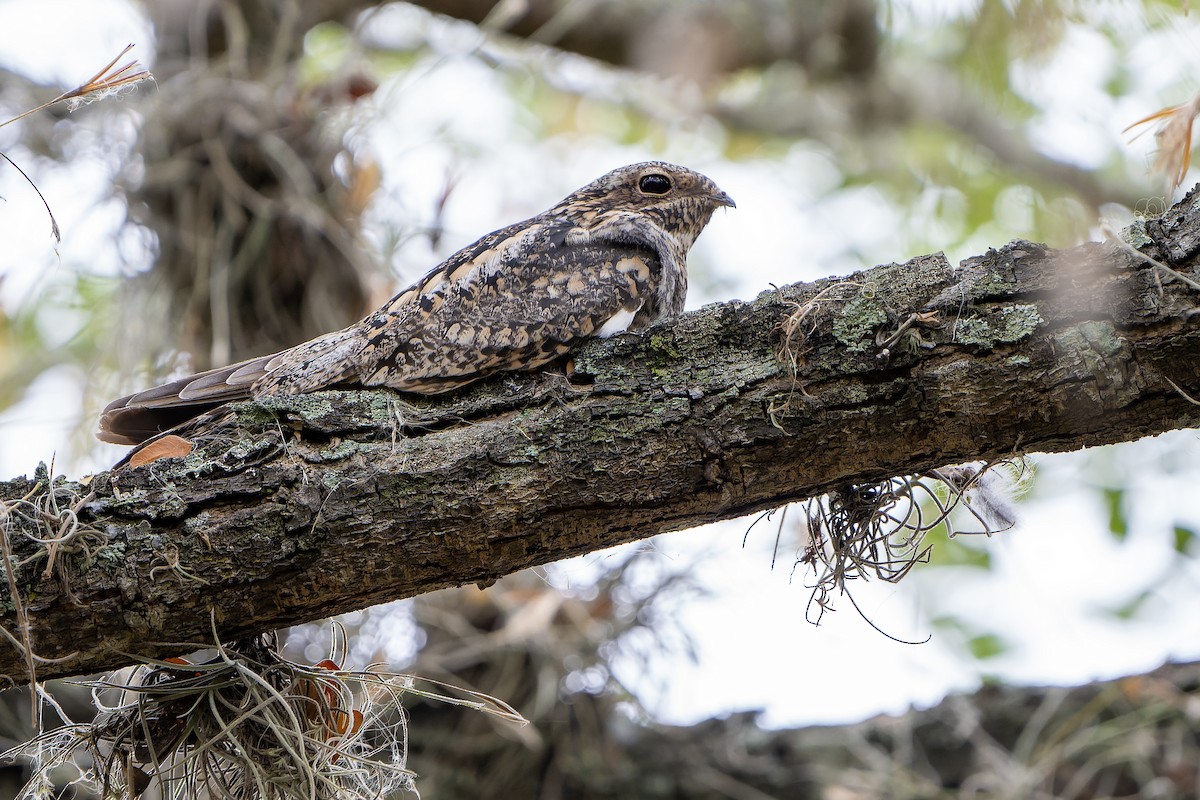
(134, 418)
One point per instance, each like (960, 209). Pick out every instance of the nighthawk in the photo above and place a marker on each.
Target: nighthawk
(610, 257)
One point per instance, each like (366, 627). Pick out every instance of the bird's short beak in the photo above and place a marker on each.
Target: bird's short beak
(722, 199)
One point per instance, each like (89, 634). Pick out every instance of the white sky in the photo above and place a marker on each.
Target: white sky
(1056, 578)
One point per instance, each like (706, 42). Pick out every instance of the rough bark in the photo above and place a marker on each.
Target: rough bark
(298, 508)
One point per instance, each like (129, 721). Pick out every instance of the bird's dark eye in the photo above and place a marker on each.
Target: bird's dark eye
(655, 183)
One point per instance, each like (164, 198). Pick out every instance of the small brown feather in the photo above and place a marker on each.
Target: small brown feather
(169, 446)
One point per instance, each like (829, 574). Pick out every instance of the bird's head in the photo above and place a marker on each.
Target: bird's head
(677, 199)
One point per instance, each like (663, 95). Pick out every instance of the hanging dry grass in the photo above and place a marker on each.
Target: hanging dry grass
(244, 723)
(878, 530)
(48, 516)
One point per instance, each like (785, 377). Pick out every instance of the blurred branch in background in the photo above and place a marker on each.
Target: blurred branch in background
(702, 41)
(558, 658)
(821, 71)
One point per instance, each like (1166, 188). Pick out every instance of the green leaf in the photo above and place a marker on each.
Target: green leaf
(1114, 504)
(1133, 608)
(1183, 538)
(986, 645)
(982, 646)
(955, 552)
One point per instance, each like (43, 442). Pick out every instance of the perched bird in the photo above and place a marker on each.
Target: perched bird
(610, 257)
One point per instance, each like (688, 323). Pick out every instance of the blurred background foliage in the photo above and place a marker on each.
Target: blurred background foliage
(295, 161)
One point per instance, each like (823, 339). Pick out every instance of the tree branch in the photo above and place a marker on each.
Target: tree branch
(298, 508)
(703, 41)
(824, 75)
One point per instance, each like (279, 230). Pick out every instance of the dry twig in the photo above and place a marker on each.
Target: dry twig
(1174, 137)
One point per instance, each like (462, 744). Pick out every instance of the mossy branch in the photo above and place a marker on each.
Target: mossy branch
(299, 508)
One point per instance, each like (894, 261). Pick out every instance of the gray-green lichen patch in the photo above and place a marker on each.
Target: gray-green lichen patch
(1098, 350)
(856, 321)
(162, 504)
(250, 449)
(1100, 337)
(986, 281)
(112, 554)
(1136, 235)
(1010, 324)
(663, 343)
(200, 523)
(331, 480)
(337, 451)
(324, 412)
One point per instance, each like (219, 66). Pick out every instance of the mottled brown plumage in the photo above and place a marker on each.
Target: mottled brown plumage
(610, 257)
